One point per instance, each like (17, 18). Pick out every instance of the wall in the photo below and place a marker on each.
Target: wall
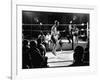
(5, 37)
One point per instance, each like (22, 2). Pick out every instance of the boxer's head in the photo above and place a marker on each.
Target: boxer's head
(56, 22)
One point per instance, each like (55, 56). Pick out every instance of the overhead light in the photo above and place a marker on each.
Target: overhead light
(70, 22)
(82, 24)
(41, 24)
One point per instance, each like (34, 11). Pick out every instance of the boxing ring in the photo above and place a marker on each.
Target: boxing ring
(65, 57)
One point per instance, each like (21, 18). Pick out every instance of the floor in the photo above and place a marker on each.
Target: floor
(65, 57)
(62, 58)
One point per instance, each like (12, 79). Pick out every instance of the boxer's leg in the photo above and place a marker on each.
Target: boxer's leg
(54, 47)
(53, 50)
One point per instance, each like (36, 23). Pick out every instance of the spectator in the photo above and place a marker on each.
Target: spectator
(25, 54)
(78, 56)
(37, 59)
(86, 54)
(48, 40)
(41, 47)
(42, 50)
(41, 36)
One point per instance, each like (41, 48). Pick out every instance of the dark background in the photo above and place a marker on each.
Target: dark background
(31, 22)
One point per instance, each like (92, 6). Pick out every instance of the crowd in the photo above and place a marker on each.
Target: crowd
(33, 54)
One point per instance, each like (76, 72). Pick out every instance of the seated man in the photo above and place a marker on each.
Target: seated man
(37, 59)
(78, 56)
(48, 39)
(25, 55)
(41, 47)
(86, 54)
(42, 37)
